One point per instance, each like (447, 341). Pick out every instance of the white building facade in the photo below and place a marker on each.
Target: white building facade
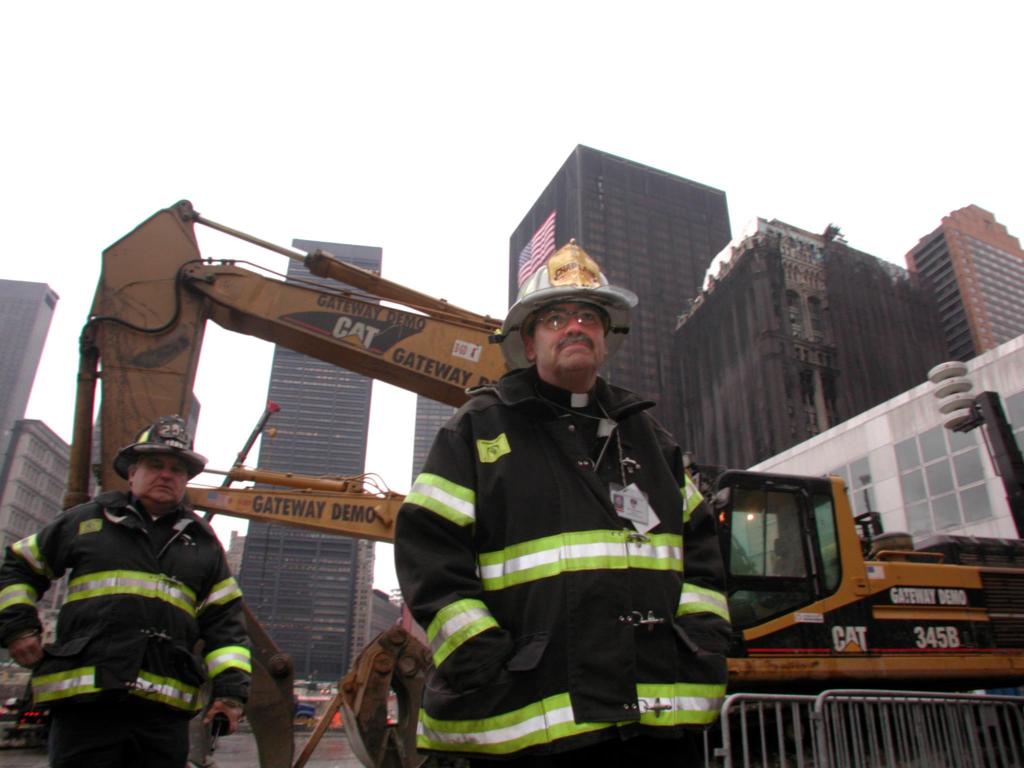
(899, 461)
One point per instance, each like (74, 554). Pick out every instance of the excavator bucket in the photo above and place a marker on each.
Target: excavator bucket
(393, 662)
(271, 701)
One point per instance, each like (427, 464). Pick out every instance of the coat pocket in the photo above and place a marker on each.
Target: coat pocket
(528, 652)
(188, 667)
(67, 649)
(706, 633)
(60, 657)
(442, 701)
(702, 655)
(175, 661)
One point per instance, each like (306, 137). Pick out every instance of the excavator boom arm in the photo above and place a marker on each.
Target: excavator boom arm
(350, 514)
(156, 292)
(435, 358)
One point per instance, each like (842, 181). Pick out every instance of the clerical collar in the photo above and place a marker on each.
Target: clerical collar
(563, 397)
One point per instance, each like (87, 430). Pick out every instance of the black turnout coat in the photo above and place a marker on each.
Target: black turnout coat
(553, 621)
(140, 594)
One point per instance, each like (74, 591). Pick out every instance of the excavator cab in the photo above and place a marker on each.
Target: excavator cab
(779, 544)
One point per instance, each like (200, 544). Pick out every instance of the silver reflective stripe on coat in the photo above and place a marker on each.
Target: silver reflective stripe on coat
(696, 599)
(28, 550)
(539, 723)
(223, 592)
(579, 551)
(667, 705)
(166, 690)
(139, 583)
(229, 657)
(455, 624)
(17, 594)
(449, 500)
(61, 685)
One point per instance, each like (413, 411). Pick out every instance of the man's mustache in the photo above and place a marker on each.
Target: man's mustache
(574, 338)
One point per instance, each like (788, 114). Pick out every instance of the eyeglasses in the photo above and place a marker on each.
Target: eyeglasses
(557, 319)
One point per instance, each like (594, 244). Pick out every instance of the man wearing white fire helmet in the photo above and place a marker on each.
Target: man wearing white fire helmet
(564, 566)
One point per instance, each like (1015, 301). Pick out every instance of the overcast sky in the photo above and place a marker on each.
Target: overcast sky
(429, 129)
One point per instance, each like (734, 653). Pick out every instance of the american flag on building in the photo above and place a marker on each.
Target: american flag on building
(541, 245)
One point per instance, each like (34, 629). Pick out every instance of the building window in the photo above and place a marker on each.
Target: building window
(918, 517)
(796, 325)
(912, 484)
(945, 511)
(1015, 414)
(968, 467)
(975, 503)
(860, 484)
(939, 477)
(942, 479)
(907, 455)
(814, 307)
(933, 444)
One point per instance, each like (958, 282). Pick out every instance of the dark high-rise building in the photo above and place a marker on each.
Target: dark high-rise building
(25, 313)
(650, 231)
(430, 417)
(313, 591)
(796, 333)
(384, 613)
(234, 551)
(976, 270)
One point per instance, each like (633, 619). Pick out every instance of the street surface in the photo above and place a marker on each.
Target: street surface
(237, 751)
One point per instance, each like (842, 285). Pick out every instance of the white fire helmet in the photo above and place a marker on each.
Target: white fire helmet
(569, 274)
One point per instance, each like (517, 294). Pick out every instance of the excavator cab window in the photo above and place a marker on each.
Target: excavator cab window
(765, 535)
(827, 541)
(779, 545)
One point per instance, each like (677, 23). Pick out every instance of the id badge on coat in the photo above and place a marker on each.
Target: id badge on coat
(631, 503)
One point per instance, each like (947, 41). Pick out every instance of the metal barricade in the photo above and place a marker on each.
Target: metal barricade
(869, 729)
(767, 731)
(886, 729)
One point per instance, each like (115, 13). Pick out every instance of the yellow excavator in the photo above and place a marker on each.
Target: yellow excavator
(817, 600)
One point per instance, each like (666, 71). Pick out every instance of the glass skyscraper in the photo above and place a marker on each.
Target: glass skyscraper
(313, 591)
(25, 313)
(650, 231)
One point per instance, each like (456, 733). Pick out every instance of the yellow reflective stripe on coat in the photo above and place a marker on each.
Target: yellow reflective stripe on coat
(451, 501)
(140, 583)
(579, 551)
(674, 704)
(223, 592)
(61, 685)
(166, 690)
(28, 550)
(17, 594)
(228, 657)
(691, 498)
(539, 723)
(455, 624)
(551, 719)
(694, 599)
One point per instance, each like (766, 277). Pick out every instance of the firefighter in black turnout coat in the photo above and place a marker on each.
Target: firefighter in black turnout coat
(147, 579)
(565, 567)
